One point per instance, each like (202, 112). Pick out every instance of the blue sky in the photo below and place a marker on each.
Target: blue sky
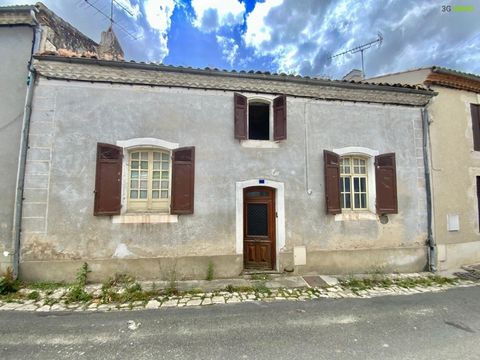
(291, 36)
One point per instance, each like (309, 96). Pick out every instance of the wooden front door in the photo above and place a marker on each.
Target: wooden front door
(259, 228)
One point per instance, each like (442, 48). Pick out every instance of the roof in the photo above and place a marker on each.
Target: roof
(92, 69)
(17, 15)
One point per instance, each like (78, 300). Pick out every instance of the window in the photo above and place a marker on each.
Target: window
(258, 121)
(149, 180)
(353, 183)
(475, 110)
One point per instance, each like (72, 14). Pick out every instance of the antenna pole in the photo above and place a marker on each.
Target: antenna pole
(111, 13)
(363, 66)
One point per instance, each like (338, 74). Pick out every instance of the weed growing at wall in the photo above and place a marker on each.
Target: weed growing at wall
(210, 271)
(8, 284)
(76, 292)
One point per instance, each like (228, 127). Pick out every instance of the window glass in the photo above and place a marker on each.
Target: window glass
(258, 121)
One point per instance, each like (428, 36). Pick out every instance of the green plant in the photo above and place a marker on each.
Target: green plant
(76, 292)
(260, 276)
(210, 271)
(34, 295)
(8, 284)
(46, 286)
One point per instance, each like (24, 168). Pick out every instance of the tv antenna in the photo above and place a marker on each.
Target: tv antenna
(110, 17)
(361, 49)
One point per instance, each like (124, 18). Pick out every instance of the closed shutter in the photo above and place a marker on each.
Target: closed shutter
(240, 116)
(386, 184)
(332, 181)
(183, 180)
(108, 180)
(475, 109)
(280, 118)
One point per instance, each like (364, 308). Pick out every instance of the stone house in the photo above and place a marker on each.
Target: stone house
(152, 170)
(454, 130)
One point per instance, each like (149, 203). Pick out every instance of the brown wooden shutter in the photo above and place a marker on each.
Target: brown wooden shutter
(475, 109)
(183, 180)
(240, 116)
(332, 181)
(108, 180)
(280, 118)
(386, 184)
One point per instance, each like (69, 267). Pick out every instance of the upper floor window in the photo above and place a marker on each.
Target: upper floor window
(149, 180)
(475, 110)
(258, 120)
(353, 183)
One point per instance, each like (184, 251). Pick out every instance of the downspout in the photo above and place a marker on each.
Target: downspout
(432, 246)
(17, 216)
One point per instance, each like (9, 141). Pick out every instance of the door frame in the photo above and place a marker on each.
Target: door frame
(279, 221)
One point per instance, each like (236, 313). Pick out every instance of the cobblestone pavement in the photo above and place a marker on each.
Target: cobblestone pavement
(54, 300)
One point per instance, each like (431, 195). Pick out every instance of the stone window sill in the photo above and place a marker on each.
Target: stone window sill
(144, 218)
(260, 144)
(356, 216)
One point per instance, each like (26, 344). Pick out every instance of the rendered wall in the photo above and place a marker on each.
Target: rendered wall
(60, 231)
(15, 45)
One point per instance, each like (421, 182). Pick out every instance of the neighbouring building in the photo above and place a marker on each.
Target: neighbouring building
(151, 170)
(25, 30)
(454, 132)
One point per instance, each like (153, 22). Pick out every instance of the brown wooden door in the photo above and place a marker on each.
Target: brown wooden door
(259, 228)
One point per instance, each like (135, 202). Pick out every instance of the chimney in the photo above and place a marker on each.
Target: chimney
(109, 48)
(354, 74)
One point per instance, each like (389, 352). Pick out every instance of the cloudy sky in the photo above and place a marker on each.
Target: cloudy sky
(291, 36)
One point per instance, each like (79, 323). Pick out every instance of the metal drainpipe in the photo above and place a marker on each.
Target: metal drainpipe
(17, 216)
(432, 246)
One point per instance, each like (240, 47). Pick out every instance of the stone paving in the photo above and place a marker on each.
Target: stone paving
(54, 300)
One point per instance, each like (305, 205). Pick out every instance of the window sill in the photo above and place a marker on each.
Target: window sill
(356, 216)
(144, 218)
(260, 144)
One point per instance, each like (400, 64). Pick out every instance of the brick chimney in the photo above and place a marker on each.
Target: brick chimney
(109, 48)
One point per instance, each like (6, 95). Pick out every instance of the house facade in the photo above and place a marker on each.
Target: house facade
(454, 130)
(152, 170)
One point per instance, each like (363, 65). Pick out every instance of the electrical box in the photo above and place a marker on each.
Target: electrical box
(453, 222)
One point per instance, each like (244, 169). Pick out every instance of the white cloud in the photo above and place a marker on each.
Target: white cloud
(214, 14)
(229, 48)
(258, 31)
(131, 10)
(158, 14)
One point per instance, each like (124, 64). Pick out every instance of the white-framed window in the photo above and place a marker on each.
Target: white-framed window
(260, 121)
(149, 179)
(353, 183)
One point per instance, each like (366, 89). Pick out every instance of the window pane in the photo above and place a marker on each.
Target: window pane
(164, 184)
(356, 183)
(143, 175)
(156, 156)
(257, 219)
(164, 194)
(342, 201)
(156, 165)
(144, 164)
(134, 194)
(134, 175)
(165, 166)
(363, 200)
(155, 194)
(134, 164)
(342, 184)
(348, 204)
(164, 174)
(143, 184)
(156, 174)
(134, 184)
(143, 194)
(165, 157)
(347, 184)
(363, 184)
(356, 203)
(155, 184)
(135, 155)
(144, 155)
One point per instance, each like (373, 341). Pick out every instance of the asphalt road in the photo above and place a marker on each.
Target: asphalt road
(443, 325)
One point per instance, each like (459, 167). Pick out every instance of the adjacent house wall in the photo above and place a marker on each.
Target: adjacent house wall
(455, 166)
(15, 45)
(60, 231)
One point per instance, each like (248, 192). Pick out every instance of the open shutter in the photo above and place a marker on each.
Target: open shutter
(386, 184)
(183, 180)
(240, 116)
(475, 109)
(280, 118)
(108, 180)
(332, 181)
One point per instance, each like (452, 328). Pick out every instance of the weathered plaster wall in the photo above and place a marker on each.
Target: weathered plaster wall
(455, 166)
(59, 225)
(15, 45)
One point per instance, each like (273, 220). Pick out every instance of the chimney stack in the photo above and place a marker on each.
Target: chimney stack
(109, 48)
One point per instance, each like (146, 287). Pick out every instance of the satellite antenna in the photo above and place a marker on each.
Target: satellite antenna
(361, 49)
(110, 17)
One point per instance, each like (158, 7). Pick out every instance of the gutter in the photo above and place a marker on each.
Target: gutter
(17, 215)
(431, 244)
